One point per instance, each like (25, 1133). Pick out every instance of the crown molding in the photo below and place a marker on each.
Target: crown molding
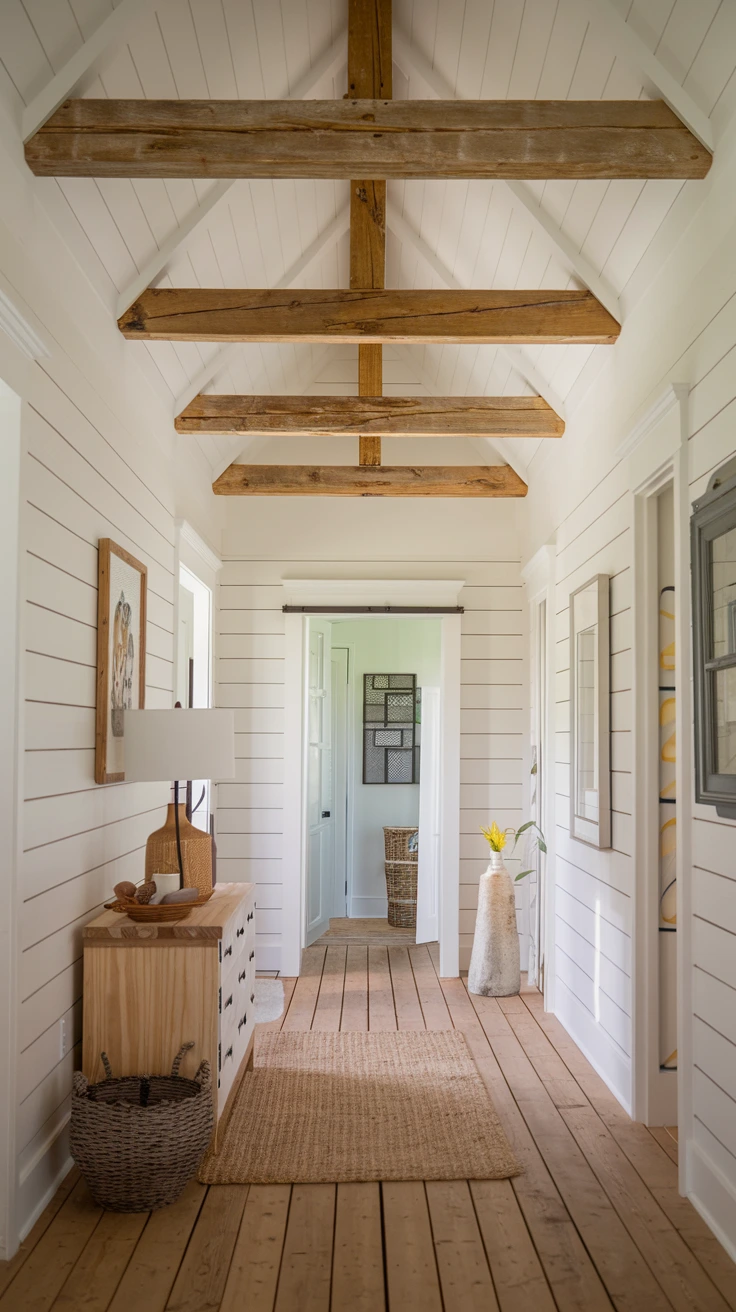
(186, 533)
(20, 332)
(673, 395)
(540, 568)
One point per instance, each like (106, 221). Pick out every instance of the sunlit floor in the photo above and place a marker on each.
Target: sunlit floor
(369, 931)
(595, 1222)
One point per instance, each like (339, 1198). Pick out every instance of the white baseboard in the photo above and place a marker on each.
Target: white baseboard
(40, 1185)
(609, 1062)
(362, 907)
(713, 1196)
(268, 956)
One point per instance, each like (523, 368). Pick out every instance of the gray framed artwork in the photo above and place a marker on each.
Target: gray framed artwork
(391, 729)
(590, 736)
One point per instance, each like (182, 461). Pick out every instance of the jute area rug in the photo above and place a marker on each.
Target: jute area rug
(325, 1107)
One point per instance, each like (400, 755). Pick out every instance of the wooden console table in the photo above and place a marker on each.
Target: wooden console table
(150, 988)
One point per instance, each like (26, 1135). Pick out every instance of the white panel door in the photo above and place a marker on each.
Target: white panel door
(428, 873)
(320, 786)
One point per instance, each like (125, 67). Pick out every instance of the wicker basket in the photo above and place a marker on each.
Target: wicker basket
(401, 844)
(401, 886)
(139, 1139)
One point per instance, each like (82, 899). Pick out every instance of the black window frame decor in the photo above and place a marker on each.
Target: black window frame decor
(407, 727)
(714, 514)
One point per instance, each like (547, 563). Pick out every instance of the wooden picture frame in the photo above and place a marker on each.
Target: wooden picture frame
(121, 654)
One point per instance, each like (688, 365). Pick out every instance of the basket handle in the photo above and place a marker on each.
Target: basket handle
(180, 1055)
(204, 1074)
(80, 1084)
(106, 1063)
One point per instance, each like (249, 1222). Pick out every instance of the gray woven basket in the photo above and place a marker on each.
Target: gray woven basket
(139, 1139)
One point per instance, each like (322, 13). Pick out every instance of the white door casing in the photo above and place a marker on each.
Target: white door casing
(340, 659)
(430, 820)
(320, 783)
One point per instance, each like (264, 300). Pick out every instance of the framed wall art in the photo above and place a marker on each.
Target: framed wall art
(121, 654)
(590, 738)
(391, 729)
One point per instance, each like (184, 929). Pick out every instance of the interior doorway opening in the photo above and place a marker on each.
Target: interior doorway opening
(373, 744)
(194, 676)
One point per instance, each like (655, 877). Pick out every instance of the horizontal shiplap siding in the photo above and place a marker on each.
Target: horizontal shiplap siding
(250, 678)
(593, 889)
(80, 483)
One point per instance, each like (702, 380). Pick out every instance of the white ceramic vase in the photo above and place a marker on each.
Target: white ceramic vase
(494, 964)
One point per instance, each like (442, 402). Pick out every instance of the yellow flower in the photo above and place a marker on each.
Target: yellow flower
(495, 837)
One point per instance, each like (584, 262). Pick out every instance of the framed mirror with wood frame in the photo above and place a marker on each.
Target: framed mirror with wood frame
(590, 720)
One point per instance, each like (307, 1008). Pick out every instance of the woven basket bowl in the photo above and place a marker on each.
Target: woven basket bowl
(139, 1158)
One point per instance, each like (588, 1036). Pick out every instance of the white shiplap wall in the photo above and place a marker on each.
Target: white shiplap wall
(684, 330)
(266, 543)
(100, 459)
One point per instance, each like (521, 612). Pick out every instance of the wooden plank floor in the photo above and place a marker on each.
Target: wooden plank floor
(594, 1222)
(364, 930)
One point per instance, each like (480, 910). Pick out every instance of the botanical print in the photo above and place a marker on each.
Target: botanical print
(121, 654)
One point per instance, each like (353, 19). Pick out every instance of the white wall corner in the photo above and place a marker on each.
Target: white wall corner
(713, 1196)
(673, 395)
(186, 533)
(20, 331)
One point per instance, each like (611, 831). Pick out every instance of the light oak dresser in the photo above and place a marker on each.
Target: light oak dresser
(150, 988)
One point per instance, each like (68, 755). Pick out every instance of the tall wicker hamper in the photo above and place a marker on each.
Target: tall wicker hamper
(402, 854)
(401, 886)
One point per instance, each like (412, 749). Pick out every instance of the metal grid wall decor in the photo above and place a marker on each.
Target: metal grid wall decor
(391, 728)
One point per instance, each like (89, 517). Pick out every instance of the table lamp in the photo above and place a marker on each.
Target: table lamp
(179, 744)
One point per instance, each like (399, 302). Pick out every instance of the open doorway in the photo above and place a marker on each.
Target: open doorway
(372, 786)
(194, 676)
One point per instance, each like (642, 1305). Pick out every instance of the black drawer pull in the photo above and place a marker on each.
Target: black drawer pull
(249, 916)
(252, 997)
(241, 977)
(229, 1002)
(242, 1022)
(228, 951)
(229, 1052)
(239, 932)
(250, 958)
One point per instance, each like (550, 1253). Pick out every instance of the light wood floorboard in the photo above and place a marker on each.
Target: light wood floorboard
(595, 1222)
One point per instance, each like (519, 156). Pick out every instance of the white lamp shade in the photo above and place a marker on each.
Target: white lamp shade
(179, 744)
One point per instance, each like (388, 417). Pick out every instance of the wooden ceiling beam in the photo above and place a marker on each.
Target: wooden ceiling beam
(370, 76)
(198, 314)
(366, 138)
(369, 481)
(352, 416)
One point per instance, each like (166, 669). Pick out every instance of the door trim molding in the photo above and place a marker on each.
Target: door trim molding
(371, 592)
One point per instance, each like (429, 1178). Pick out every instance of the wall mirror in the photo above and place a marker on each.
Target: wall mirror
(714, 637)
(590, 739)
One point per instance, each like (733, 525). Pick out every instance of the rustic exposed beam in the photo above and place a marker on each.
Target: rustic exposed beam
(391, 416)
(524, 139)
(198, 314)
(369, 481)
(370, 76)
(328, 64)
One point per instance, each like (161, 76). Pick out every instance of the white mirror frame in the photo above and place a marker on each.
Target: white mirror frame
(594, 833)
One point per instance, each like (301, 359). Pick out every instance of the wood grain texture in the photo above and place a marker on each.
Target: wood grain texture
(201, 314)
(371, 413)
(366, 138)
(367, 481)
(370, 75)
(204, 924)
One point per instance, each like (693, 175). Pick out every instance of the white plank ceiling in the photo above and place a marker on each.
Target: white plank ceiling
(477, 234)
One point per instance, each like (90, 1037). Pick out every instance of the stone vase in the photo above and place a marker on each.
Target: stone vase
(494, 964)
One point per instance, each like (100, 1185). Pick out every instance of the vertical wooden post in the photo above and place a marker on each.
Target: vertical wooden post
(369, 77)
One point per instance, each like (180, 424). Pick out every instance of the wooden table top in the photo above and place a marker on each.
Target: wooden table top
(204, 923)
